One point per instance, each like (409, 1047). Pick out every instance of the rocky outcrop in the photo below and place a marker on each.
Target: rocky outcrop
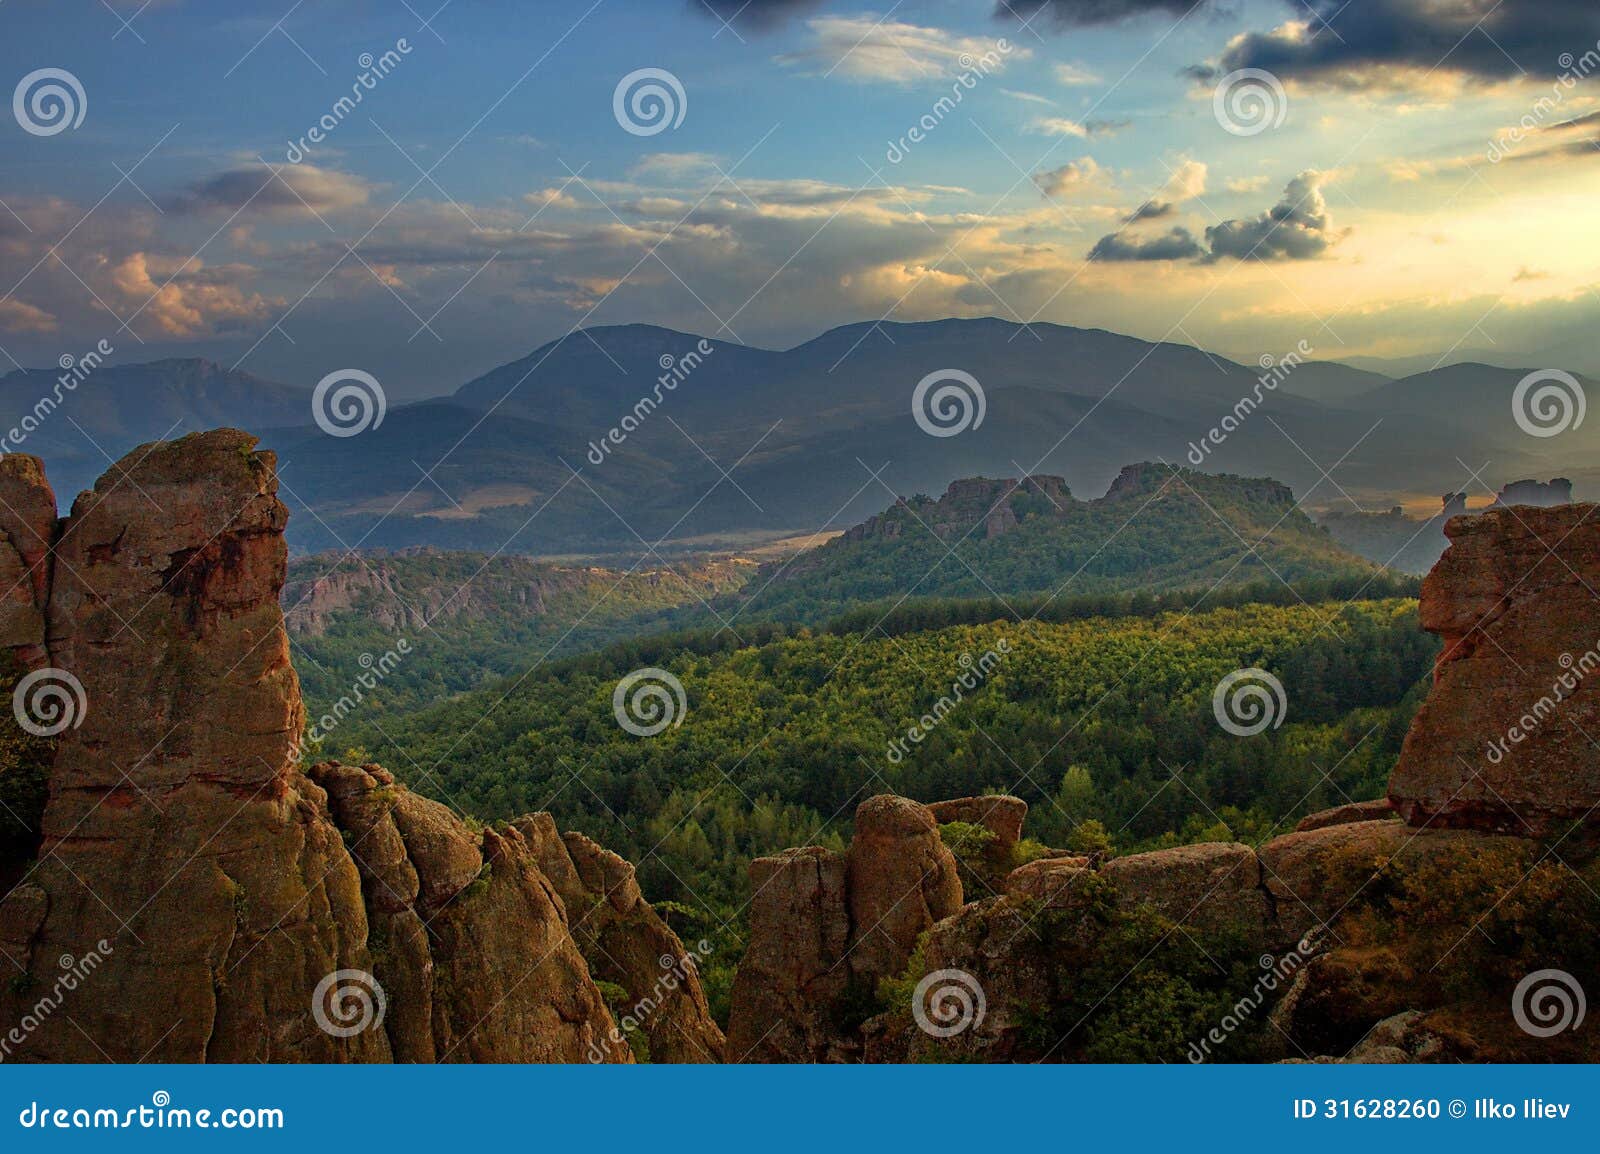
(207, 899)
(1346, 814)
(965, 504)
(27, 532)
(625, 942)
(794, 973)
(900, 879)
(1504, 740)
(825, 928)
(1540, 494)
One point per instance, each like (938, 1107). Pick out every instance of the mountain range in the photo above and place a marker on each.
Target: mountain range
(747, 442)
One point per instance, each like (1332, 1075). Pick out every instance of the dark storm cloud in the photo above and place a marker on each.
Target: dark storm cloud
(1151, 210)
(1371, 43)
(1296, 228)
(754, 15)
(1085, 13)
(1178, 244)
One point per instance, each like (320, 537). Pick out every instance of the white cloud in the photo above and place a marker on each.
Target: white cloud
(869, 49)
(1075, 75)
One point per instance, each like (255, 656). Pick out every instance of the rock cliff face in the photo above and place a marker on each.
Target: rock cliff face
(208, 899)
(1504, 741)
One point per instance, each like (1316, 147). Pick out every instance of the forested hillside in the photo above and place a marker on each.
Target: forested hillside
(1157, 528)
(466, 618)
(1105, 725)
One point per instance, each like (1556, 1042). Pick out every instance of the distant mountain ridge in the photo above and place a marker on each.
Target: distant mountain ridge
(756, 443)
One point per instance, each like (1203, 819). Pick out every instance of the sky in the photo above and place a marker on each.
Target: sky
(1381, 178)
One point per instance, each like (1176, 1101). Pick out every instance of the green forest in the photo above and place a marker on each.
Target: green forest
(1104, 724)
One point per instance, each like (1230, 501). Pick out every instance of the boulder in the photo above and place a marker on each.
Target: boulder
(1214, 886)
(1346, 814)
(901, 879)
(1001, 815)
(1052, 882)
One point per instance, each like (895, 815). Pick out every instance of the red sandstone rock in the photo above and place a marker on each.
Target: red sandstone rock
(1000, 814)
(902, 879)
(1346, 814)
(214, 885)
(627, 943)
(794, 969)
(1504, 740)
(27, 531)
(1213, 886)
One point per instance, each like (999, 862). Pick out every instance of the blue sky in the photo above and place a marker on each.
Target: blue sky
(493, 201)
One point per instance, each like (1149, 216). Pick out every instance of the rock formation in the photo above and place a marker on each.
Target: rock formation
(626, 943)
(1505, 741)
(826, 927)
(1355, 915)
(208, 899)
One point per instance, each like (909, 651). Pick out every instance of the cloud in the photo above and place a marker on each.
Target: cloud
(21, 317)
(1082, 129)
(296, 189)
(1296, 228)
(1069, 178)
(1028, 97)
(1086, 13)
(1387, 44)
(753, 15)
(189, 300)
(867, 49)
(1177, 244)
(1075, 75)
(1247, 183)
(1186, 182)
(1152, 210)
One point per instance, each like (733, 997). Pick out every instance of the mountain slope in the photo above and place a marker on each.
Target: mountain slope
(1158, 528)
